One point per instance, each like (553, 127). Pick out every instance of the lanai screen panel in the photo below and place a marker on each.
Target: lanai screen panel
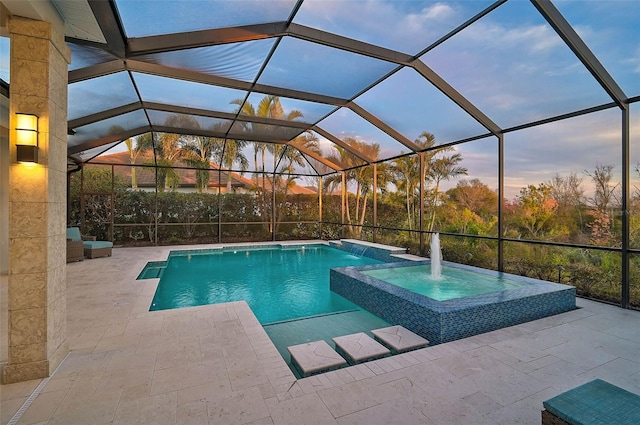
(349, 126)
(577, 146)
(141, 18)
(412, 105)
(634, 136)
(108, 129)
(171, 91)
(316, 167)
(404, 26)
(510, 64)
(90, 154)
(293, 109)
(515, 68)
(84, 56)
(265, 132)
(99, 94)
(188, 122)
(610, 30)
(4, 56)
(310, 67)
(239, 61)
(334, 153)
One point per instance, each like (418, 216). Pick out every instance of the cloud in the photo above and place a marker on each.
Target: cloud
(436, 12)
(405, 26)
(634, 60)
(536, 39)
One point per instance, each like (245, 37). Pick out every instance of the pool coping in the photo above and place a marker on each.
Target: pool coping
(262, 246)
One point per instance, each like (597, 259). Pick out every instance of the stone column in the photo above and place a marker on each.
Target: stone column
(37, 204)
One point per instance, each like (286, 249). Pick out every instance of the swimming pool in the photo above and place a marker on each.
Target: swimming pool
(278, 283)
(454, 283)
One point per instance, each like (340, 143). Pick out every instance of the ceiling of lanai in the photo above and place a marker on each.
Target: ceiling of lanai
(374, 71)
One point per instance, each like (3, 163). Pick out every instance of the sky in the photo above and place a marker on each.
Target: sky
(510, 64)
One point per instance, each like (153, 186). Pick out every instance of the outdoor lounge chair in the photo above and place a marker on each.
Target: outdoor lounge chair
(91, 247)
(75, 249)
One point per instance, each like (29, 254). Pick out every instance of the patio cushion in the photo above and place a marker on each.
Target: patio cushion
(73, 233)
(596, 403)
(97, 244)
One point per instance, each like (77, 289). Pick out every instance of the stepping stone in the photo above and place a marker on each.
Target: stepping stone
(399, 339)
(315, 357)
(359, 347)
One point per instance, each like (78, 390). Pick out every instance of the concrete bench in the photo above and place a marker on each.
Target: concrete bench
(594, 403)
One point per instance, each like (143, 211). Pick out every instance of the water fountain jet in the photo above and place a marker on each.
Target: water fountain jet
(436, 257)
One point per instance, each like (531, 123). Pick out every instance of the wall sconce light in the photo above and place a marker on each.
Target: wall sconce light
(27, 137)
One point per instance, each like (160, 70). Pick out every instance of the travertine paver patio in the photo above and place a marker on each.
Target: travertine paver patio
(215, 365)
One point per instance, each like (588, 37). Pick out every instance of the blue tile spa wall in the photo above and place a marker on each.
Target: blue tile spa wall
(444, 321)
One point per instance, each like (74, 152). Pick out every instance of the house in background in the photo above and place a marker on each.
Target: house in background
(218, 176)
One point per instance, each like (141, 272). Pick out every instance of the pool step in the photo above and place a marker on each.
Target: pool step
(399, 339)
(315, 357)
(152, 270)
(318, 357)
(359, 347)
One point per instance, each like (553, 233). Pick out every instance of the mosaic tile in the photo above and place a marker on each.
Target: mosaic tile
(444, 321)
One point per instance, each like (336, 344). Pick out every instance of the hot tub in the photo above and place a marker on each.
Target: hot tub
(518, 300)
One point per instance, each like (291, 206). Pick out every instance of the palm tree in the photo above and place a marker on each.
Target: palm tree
(233, 154)
(201, 149)
(198, 154)
(443, 168)
(136, 147)
(406, 172)
(438, 168)
(269, 107)
(362, 176)
(170, 148)
(284, 157)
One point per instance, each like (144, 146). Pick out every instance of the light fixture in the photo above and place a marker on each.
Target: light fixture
(26, 137)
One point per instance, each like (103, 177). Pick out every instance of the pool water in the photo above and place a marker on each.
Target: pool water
(454, 283)
(279, 284)
(152, 270)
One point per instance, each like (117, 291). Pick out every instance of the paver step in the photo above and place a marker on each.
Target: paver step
(315, 357)
(359, 347)
(399, 339)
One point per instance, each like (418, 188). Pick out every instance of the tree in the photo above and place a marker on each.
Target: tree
(269, 107)
(406, 174)
(437, 168)
(361, 176)
(536, 210)
(568, 193)
(603, 199)
(442, 168)
(136, 147)
(634, 212)
(200, 150)
(476, 196)
(604, 191)
(472, 207)
(234, 155)
(285, 157)
(169, 148)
